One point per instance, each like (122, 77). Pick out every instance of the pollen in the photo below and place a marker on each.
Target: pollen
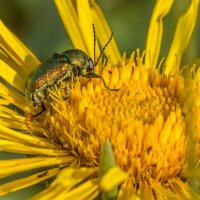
(143, 121)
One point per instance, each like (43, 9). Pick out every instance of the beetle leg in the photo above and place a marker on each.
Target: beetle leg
(92, 75)
(43, 109)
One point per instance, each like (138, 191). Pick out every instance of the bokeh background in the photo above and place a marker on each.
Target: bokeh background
(38, 25)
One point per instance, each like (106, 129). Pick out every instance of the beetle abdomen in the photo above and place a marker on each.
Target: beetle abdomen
(52, 75)
(47, 72)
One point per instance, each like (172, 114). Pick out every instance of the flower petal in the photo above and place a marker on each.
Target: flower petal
(13, 166)
(154, 37)
(17, 50)
(71, 22)
(79, 27)
(12, 135)
(184, 190)
(160, 189)
(71, 184)
(112, 178)
(12, 96)
(85, 23)
(12, 76)
(21, 183)
(183, 33)
(15, 147)
(103, 34)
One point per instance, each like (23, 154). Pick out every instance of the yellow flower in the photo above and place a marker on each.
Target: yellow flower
(141, 142)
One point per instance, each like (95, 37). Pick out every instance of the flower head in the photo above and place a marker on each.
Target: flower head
(136, 142)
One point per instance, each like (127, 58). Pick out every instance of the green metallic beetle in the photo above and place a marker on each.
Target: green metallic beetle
(58, 68)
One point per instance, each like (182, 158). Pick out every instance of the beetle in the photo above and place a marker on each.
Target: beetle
(58, 68)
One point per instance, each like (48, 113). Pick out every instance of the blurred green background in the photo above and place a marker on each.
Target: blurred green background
(38, 25)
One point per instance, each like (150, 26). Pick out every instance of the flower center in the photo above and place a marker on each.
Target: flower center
(143, 122)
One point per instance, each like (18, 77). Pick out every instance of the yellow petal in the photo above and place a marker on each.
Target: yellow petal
(85, 24)
(15, 147)
(27, 181)
(12, 76)
(183, 33)
(184, 190)
(154, 37)
(71, 176)
(103, 34)
(129, 195)
(70, 21)
(71, 184)
(87, 190)
(12, 135)
(12, 96)
(78, 23)
(16, 50)
(13, 120)
(160, 189)
(13, 166)
(112, 178)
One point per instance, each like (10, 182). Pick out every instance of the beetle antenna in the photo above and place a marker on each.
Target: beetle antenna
(95, 40)
(104, 48)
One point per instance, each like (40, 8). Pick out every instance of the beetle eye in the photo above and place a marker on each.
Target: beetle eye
(90, 67)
